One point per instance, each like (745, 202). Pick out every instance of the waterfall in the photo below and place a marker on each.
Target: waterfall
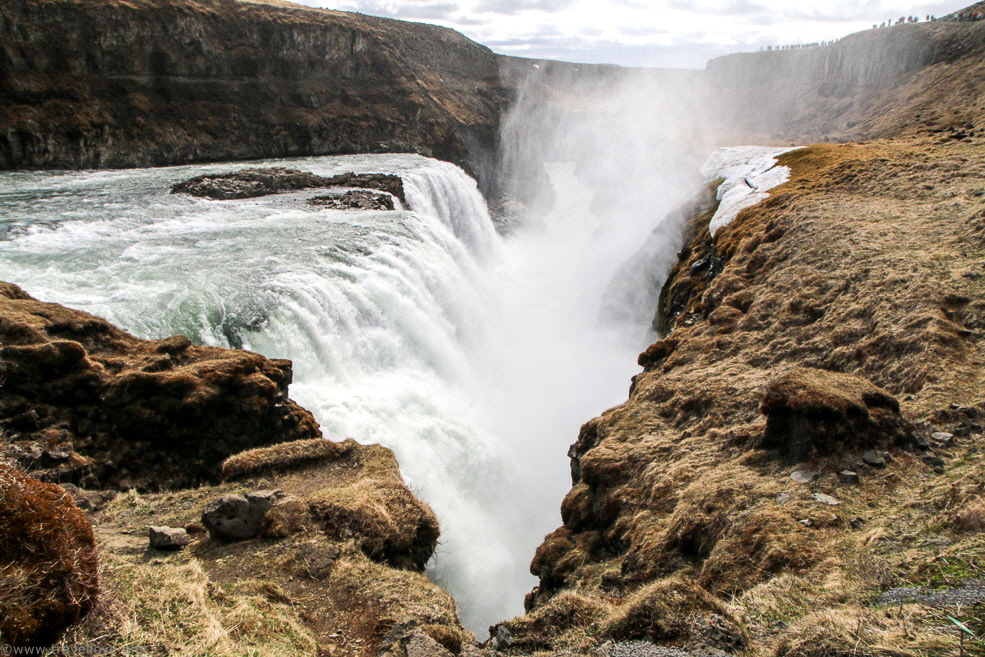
(382, 313)
(474, 360)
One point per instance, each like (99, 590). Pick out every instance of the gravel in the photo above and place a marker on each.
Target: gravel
(972, 592)
(645, 649)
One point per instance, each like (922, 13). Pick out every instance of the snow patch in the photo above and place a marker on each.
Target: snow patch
(749, 171)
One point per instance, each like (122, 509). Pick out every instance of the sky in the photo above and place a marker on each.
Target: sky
(666, 33)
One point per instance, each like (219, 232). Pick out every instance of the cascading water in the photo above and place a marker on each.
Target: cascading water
(473, 359)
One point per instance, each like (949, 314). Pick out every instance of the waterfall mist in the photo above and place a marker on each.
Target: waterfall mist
(600, 155)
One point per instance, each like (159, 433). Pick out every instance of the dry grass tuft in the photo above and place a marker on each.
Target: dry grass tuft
(564, 622)
(172, 608)
(48, 564)
(971, 518)
(852, 631)
(278, 458)
(668, 610)
(379, 512)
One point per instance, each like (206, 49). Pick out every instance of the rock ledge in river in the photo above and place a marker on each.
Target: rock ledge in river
(251, 183)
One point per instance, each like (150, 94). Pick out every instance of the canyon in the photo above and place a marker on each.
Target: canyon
(803, 443)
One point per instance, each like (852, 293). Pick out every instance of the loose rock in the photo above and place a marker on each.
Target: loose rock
(874, 459)
(826, 499)
(238, 517)
(168, 538)
(849, 477)
(804, 476)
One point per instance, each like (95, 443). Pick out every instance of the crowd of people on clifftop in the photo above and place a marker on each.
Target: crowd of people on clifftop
(929, 18)
(800, 46)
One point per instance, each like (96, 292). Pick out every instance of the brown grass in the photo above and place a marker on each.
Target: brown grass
(173, 607)
(48, 565)
(378, 510)
(669, 610)
(278, 458)
(971, 517)
(865, 271)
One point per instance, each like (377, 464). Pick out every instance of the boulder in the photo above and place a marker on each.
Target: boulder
(873, 458)
(804, 476)
(356, 199)
(813, 412)
(238, 517)
(168, 538)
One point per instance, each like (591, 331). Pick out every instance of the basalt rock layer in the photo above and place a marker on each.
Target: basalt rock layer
(86, 403)
(109, 83)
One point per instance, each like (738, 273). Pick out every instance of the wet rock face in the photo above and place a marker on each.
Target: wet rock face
(357, 199)
(815, 412)
(250, 183)
(236, 81)
(112, 410)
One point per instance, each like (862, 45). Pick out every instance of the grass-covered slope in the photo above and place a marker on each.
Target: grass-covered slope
(856, 290)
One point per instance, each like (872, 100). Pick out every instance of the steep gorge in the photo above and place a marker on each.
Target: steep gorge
(682, 525)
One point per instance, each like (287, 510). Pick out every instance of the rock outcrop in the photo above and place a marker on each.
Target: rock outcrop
(250, 183)
(323, 538)
(86, 403)
(176, 81)
(356, 199)
(811, 412)
(49, 572)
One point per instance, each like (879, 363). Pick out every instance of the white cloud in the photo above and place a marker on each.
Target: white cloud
(642, 32)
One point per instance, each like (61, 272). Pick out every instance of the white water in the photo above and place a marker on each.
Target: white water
(473, 359)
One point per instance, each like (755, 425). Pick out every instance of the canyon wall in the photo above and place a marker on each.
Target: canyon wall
(156, 82)
(914, 77)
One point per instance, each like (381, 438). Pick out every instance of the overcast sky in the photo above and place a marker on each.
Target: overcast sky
(643, 32)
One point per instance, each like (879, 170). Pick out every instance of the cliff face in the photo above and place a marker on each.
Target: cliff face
(920, 77)
(107, 83)
(86, 403)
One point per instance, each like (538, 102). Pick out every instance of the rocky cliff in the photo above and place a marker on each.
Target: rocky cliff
(113, 83)
(913, 77)
(86, 403)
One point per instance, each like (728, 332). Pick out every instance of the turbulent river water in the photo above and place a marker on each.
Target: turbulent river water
(473, 357)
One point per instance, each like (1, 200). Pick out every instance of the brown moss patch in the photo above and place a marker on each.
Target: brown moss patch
(277, 458)
(814, 412)
(48, 566)
(108, 400)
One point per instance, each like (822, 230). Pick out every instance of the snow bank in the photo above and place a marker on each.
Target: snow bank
(749, 171)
